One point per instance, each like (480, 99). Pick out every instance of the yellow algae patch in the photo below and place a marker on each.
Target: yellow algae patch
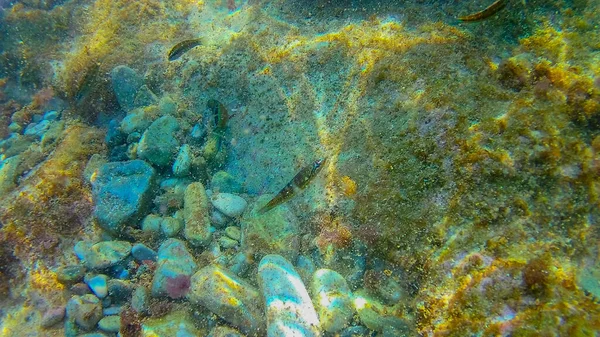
(41, 278)
(348, 186)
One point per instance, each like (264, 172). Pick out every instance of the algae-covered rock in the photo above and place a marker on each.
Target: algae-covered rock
(159, 144)
(228, 296)
(224, 331)
(288, 306)
(84, 310)
(176, 324)
(195, 211)
(102, 254)
(274, 232)
(122, 191)
(333, 299)
(372, 315)
(136, 120)
(126, 82)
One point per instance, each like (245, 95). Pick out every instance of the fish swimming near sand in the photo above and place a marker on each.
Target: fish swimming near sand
(486, 13)
(183, 47)
(297, 184)
(220, 113)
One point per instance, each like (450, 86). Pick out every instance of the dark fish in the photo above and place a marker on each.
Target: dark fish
(220, 113)
(486, 13)
(300, 181)
(182, 47)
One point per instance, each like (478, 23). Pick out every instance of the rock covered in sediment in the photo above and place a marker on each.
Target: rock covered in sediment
(129, 88)
(229, 204)
(102, 254)
(195, 212)
(121, 191)
(52, 317)
(288, 305)
(84, 310)
(274, 232)
(224, 331)
(372, 315)
(110, 323)
(175, 265)
(333, 300)
(159, 144)
(229, 296)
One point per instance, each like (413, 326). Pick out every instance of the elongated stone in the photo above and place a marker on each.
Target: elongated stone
(228, 296)
(195, 212)
(289, 309)
(333, 299)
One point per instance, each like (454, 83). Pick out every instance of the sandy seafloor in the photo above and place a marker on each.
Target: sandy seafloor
(460, 194)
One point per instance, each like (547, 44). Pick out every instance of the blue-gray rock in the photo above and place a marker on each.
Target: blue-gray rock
(240, 263)
(85, 310)
(70, 274)
(225, 182)
(36, 118)
(159, 144)
(183, 162)
(98, 284)
(140, 300)
(288, 305)
(134, 137)
(119, 290)
(37, 129)
(305, 267)
(51, 115)
(52, 317)
(122, 191)
(175, 263)
(218, 219)
(102, 254)
(126, 82)
(229, 296)
(110, 323)
(114, 310)
(114, 136)
(142, 253)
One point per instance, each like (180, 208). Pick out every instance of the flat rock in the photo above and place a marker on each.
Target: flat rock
(229, 204)
(110, 323)
(229, 296)
(122, 191)
(159, 144)
(102, 254)
(288, 305)
(126, 82)
(141, 253)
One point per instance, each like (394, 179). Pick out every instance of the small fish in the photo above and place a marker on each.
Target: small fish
(300, 181)
(220, 113)
(486, 13)
(182, 47)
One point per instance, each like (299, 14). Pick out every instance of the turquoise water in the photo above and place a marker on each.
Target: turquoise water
(299, 168)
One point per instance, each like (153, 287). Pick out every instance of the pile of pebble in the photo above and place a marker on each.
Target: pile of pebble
(212, 248)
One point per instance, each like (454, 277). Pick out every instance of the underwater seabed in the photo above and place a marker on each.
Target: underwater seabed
(306, 168)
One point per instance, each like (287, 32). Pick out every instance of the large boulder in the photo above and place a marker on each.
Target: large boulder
(122, 191)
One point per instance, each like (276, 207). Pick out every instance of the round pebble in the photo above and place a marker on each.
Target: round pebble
(52, 317)
(233, 232)
(229, 204)
(110, 323)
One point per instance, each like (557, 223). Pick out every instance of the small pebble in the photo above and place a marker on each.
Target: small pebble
(233, 232)
(80, 289)
(114, 310)
(227, 243)
(98, 284)
(70, 274)
(171, 226)
(51, 115)
(110, 323)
